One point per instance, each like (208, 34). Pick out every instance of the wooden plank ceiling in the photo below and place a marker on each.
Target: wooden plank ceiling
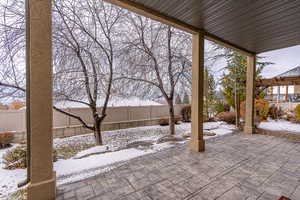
(253, 25)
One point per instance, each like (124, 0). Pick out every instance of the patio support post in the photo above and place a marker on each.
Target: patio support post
(278, 94)
(197, 142)
(287, 93)
(41, 176)
(272, 93)
(250, 95)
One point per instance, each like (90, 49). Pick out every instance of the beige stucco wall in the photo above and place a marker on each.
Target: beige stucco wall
(12, 120)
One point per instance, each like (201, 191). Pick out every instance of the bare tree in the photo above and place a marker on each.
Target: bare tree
(155, 56)
(85, 45)
(12, 54)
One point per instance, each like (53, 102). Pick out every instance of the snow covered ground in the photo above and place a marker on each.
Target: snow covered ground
(280, 125)
(119, 147)
(9, 179)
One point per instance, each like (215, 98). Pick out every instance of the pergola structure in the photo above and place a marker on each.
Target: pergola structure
(291, 77)
(278, 81)
(250, 27)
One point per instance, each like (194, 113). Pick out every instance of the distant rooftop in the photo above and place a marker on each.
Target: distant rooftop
(295, 72)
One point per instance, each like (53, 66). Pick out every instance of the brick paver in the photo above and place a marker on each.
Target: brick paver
(236, 167)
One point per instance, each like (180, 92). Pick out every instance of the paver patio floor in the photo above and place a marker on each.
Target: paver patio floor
(236, 167)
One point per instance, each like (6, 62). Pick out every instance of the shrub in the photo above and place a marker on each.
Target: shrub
(261, 109)
(6, 139)
(275, 112)
(16, 105)
(16, 158)
(221, 107)
(186, 113)
(290, 117)
(226, 107)
(165, 121)
(21, 194)
(297, 112)
(228, 117)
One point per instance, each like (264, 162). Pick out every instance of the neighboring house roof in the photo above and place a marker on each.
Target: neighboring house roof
(295, 72)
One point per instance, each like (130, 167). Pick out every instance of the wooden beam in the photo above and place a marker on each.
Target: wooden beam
(278, 82)
(287, 93)
(160, 17)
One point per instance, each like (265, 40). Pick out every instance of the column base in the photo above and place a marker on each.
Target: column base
(45, 190)
(197, 145)
(249, 129)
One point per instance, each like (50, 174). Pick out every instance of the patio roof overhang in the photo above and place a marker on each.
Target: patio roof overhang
(250, 27)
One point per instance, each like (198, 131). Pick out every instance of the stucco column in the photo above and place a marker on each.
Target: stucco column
(197, 142)
(250, 95)
(42, 177)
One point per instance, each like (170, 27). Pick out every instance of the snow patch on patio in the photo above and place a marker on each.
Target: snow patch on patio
(74, 166)
(72, 170)
(280, 125)
(218, 128)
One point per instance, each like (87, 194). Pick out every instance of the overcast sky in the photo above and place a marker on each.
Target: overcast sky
(284, 59)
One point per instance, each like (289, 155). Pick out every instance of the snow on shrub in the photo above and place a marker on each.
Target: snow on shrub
(16, 158)
(228, 117)
(275, 112)
(186, 113)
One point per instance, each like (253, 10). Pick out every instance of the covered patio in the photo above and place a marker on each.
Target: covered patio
(236, 167)
(245, 26)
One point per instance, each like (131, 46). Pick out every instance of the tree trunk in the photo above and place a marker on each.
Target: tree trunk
(171, 117)
(97, 132)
